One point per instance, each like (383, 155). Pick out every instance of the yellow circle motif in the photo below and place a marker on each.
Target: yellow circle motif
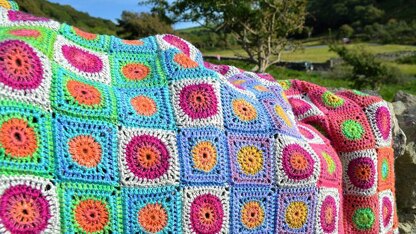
(296, 214)
(244, 110)
(329, 163)
(5, 4)
(252, 214)
(282, 114)
(250, 159)
(204, 156)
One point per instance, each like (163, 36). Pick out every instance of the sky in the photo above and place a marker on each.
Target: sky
(111, 9)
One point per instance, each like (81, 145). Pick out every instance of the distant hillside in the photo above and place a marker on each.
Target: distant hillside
(69, 15)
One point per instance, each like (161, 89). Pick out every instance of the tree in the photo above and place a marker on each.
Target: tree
(334, 13)
(261, 27)
(135, 25)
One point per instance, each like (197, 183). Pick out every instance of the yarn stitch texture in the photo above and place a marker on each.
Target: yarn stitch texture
(104, 135)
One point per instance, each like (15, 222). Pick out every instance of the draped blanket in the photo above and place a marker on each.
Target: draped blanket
(104, 135)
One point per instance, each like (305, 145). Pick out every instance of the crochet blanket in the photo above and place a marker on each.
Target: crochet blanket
(103, 135)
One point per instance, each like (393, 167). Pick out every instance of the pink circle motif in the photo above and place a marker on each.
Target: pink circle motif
(24, 210)
(222, 69)
(328, 214)
(266, 76)
(21, 16)
(297, 163)
(178, 43)
(306, 133)
(206, 214)
(361, 172)
(383, 121)
(20, 66)
(198, 101)
(147, 157)
(82, 60)
(387, 210)
(299, 106)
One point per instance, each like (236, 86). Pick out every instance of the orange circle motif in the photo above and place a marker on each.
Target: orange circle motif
(133, 42)
(18, 138)
(84, 94)
(153, 218)
(204, 156)
(244, 110)
(184, 60)
(91, 215)
(298, 161)
(85, 151)
(85, 35)
(148, 156)
(252, 214)
(363, 172)
(135, 71)
(144, 105)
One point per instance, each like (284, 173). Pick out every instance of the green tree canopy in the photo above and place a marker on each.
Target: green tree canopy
(262, 27)
(135, 25)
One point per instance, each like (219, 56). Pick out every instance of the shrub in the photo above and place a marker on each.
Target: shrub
(366, 72)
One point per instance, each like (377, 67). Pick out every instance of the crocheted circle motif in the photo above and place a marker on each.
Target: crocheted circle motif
(296, 214)
(250, 159)
(198, 101)
(244, 110)
(82, 60)
(204, 156)
(385, 169)
(133, 42)
(300, 107)
(206, 214)
(330, 164)
(297, 162)
(153, 218)
(328, 214)
(147, 157)
(383, 121)
(20, 66)
(91, 215)
(84, 94)
(135, 71)
(144, 105)
(86, 35)
(282, 114)
(18, 138)
(85, 151)
(361, 172)
(24, 209)
(332, 100)
(285, 84)
(178, 43)
(252, 214)
(25, 33)
(352, 129)
(184, 60)
(5, 4)
(386, 211)
(363, 218)
(21, 16)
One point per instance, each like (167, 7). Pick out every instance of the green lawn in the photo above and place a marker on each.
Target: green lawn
(313, 52)
(318, 53)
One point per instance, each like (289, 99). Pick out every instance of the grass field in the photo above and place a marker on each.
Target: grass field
(319, 53)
